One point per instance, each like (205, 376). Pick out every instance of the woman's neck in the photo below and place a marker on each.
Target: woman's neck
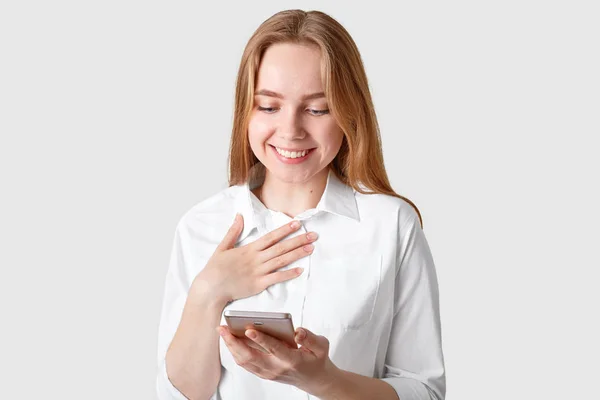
(291, 198)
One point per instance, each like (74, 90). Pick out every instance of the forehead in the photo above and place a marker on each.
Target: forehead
(290, 69)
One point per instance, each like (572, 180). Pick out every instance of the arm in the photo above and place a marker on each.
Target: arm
(188, 347)
(346, 385)
(414, 364)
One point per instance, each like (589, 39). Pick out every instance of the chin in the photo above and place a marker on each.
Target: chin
(292, 177)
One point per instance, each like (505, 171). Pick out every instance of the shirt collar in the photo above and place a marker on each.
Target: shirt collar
(338, 198)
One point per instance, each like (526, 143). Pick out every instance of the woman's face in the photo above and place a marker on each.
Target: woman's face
(284, 117)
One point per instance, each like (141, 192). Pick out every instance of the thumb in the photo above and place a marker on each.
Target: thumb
(232, 234)
(316, 343)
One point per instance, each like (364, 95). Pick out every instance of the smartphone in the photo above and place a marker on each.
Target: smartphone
(276, 324)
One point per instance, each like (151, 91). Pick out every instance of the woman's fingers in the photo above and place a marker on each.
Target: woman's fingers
(318, 344)
(232, 234)
(275, 236)
(287, 258)
(280, 276)
(237, 346)
(288, 245)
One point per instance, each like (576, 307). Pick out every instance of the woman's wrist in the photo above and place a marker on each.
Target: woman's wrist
(202, 291)
(329, 380)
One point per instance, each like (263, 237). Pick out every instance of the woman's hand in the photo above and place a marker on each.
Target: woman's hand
(234, 273)
(308, 368)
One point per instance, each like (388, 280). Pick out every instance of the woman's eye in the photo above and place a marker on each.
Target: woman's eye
(319, 112)
(270, 110)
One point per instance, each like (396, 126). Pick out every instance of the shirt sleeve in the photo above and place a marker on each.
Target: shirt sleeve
(414, 363)
(174, 297)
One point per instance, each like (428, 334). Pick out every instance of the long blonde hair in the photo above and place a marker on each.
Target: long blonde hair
(360, 159)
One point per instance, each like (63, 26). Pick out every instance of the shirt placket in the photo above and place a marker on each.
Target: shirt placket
(295, 301)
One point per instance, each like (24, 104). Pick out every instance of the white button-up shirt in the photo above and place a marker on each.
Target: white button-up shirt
(370, 287)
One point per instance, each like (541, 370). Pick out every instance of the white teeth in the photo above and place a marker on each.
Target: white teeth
(291, 154)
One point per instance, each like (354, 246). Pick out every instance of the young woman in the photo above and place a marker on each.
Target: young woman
(362, 289)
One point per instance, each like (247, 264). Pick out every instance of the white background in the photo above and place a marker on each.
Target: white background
(115, 119)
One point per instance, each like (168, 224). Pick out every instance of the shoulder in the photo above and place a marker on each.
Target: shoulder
(212, 212)
(201, 228)
(385, 206)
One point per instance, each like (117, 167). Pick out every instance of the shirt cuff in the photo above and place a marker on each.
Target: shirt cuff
(408, 389)
(164, 387)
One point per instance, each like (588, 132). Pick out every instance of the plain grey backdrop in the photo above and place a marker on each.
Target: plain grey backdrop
(115, 119)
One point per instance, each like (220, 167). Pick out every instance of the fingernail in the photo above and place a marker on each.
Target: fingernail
(308, 248)
(312, 235)
(251, 334)
(295, 224)
(301, 334)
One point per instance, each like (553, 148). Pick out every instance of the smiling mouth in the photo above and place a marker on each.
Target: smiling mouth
(293, 156)
(311, 149)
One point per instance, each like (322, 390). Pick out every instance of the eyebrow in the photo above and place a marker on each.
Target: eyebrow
(270, 93)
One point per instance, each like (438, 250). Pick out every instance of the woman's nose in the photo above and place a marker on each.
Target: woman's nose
(290, 127)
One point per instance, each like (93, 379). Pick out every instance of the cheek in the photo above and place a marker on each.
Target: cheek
(331, 136)
(258, 130)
